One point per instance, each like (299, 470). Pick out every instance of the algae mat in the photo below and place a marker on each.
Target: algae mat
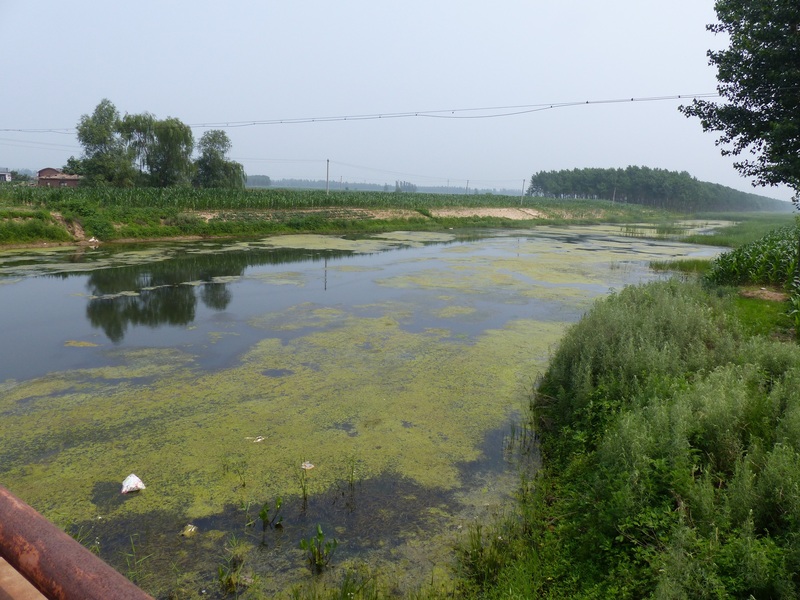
(393, 364)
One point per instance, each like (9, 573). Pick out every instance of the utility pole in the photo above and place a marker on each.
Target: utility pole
(327, 175)
(467, 187)
(522, 195)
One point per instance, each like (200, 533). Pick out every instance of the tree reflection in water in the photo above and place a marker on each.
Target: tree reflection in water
(166, 292)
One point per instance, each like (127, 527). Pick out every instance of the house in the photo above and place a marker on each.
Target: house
(5, 175)
(50, 177)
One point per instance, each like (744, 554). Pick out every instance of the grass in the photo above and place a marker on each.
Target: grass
(747, 228)
(143, 213)
(764, 317)
(669, 422)
(694, 266)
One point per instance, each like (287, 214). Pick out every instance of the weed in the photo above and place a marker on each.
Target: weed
(302, 479)
(134, 563)
(237, 466)
(277, 518)
(352, 472)
(245, 506)
(230, 573)
(319, 551)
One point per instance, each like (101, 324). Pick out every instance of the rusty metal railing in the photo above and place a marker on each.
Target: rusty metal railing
(57, 565)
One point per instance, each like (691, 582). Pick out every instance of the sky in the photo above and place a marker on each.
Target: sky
(462, 88)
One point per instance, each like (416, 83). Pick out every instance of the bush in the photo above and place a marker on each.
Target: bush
(671, 461)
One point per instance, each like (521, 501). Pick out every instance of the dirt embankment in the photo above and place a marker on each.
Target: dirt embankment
(353, 214)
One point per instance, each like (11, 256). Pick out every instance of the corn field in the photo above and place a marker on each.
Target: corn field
(257, 199)
(772, 260)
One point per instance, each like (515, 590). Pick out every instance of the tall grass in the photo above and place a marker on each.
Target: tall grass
(746, 228)
(671, 453)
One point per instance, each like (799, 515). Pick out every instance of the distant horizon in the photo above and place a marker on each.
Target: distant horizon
(424, 92)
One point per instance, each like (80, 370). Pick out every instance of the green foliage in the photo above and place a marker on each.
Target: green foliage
(760, 115)
(319, 551)
(107, 159)
(668, 190)
(671, 452)
(696, 266)
(627, 347)
(214, 170)
(763, 317)
(771, 260)
(747, 227)
(169, 158)
(230, 574)
(268, 522)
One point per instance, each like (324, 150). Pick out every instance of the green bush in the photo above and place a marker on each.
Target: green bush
(637, 343)
(671, 453)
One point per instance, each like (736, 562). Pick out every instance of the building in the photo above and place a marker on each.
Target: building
(5, 175)
(50, 177)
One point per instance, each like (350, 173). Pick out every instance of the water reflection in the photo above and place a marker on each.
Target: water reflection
(167, 292)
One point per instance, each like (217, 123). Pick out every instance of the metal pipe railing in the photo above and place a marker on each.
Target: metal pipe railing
(57, 565)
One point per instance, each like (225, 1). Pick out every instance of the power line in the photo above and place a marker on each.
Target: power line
(488, 112)
(485, 112)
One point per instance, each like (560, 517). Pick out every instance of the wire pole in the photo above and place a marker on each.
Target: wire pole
(522, 195)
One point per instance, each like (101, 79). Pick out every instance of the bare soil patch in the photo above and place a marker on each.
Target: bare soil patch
(514, 214)
(765, 294)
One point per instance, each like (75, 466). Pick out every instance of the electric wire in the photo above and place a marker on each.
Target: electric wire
(487, 112)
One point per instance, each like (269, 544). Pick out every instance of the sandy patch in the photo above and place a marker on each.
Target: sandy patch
(515, 214)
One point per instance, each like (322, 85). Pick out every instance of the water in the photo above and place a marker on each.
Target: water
(393, 362)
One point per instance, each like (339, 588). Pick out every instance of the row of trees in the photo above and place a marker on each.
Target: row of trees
(670, 190)
(142, 150)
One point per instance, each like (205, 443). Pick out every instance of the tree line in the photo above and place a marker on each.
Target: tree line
(142, 150)
(670, 190)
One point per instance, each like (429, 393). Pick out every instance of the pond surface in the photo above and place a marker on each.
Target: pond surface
(394, 363)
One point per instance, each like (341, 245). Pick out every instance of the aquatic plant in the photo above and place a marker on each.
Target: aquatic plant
(229, 573)
(277, 518)
(134, 563)
(319, 551)
(302, 479)
(237, 466)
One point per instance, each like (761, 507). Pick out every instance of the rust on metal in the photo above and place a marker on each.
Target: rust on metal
(57, 565)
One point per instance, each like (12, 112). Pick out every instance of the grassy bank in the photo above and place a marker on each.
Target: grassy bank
(670, 438)
(115, 214)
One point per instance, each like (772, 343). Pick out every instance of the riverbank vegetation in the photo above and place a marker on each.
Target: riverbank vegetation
(667, 423)
(109, 214)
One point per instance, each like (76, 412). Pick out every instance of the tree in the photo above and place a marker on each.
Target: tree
(759, 78)
(213, 169)
(169, 155)
(106, 158)
(138, 131)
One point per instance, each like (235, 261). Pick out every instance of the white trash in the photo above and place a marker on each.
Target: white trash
(132, 484)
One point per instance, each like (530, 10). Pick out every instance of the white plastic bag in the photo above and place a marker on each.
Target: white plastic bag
(132, 484)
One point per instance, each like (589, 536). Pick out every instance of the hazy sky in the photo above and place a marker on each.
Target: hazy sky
(230, 62)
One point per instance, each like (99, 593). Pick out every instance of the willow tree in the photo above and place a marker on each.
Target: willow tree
(169, 159)
(759, 82)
